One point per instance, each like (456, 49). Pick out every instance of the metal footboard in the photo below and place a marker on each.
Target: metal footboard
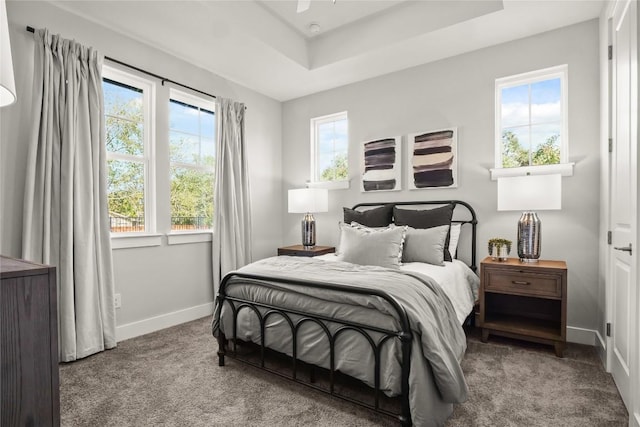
(264, 311)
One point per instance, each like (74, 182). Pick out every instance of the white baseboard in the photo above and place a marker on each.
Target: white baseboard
(581, 335)
(601, 343)
(146, 326)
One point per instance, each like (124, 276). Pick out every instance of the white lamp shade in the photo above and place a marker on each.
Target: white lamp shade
(310, 200)
(530, 193)
(7, 82)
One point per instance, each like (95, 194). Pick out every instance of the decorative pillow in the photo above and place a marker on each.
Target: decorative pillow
(370, 247)
(364, 227)
(425, 245)
(426, 219)
(359, 226)
(377, 217)
(454, 236)
(423, 218)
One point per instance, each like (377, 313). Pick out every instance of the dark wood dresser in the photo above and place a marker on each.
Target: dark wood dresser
(29, 384)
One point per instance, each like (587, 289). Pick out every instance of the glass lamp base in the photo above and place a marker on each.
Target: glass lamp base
(308, 231)
(529, 230)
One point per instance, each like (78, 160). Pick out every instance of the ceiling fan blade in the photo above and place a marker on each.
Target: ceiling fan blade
(303, 5)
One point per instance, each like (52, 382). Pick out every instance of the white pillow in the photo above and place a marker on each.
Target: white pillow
(367, 246)
(454, 236)
(425, 245)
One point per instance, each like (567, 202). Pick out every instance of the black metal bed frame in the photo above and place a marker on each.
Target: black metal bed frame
(403, 334)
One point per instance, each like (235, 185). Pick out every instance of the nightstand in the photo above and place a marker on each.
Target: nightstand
(299, 250)
(526, 301)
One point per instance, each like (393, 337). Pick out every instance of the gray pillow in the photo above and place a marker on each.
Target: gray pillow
(425, 245)
(372, 247)
(426, 219)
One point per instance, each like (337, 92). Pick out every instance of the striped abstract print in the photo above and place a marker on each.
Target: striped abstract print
(432, 159)
(381, 165)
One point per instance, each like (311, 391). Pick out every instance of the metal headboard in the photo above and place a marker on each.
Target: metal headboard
(470, 218)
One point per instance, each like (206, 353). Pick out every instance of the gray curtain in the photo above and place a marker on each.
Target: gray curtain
(232, 234)
(66, 221)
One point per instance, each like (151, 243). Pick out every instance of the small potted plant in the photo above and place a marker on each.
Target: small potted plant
(499, 249)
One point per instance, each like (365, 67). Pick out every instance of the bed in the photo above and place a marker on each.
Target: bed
(389, 316)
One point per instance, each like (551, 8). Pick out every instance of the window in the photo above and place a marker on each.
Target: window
(531, 119)
(330, 148)
(129, 134)
(192, 161)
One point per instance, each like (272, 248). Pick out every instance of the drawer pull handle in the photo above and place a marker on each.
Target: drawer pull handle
(520, 282)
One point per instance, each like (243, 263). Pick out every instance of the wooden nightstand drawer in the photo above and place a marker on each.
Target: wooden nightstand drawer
(520, 283)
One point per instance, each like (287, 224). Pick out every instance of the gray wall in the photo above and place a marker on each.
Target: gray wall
(454, 92)
(459, 92)
(159, 280)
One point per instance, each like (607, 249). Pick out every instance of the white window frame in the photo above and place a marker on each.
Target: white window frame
(315, 172)
(177, 237)
(148, 237)
(564, 167)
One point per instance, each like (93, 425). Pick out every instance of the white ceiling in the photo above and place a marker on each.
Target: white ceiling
(328, 14)
(266, 46)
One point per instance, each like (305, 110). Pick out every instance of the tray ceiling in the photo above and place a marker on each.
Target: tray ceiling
(267, 46)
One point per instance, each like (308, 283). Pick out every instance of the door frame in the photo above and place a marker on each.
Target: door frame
(634, 410)
(606, 249)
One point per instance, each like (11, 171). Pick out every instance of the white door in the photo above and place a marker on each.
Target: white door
(624, 197)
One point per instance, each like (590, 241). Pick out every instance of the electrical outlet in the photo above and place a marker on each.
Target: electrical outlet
(117, 299)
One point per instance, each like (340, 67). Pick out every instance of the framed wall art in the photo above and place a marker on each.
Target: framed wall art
(432, 159)
(381, 161)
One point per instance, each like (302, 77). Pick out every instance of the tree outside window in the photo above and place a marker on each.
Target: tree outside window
(330, 147)
(125, 144)
(531, 112)
(192, 157)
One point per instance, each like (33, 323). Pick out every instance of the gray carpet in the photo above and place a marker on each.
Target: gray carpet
(172, 378)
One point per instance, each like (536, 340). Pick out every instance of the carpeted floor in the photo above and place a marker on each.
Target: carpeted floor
(172, 378)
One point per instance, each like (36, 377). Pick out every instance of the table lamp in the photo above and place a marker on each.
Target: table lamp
(308, 201)
(528, 194)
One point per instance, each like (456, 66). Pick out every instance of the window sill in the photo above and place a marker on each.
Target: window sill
(184, 237)
(125, 241)
(330, 185)
(564, 169)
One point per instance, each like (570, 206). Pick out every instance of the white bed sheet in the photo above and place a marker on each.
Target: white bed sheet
(457, 280)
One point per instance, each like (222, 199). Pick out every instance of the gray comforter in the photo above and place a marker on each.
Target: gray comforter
(436, 378)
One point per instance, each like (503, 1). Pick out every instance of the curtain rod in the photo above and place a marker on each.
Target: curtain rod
(162, 79)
